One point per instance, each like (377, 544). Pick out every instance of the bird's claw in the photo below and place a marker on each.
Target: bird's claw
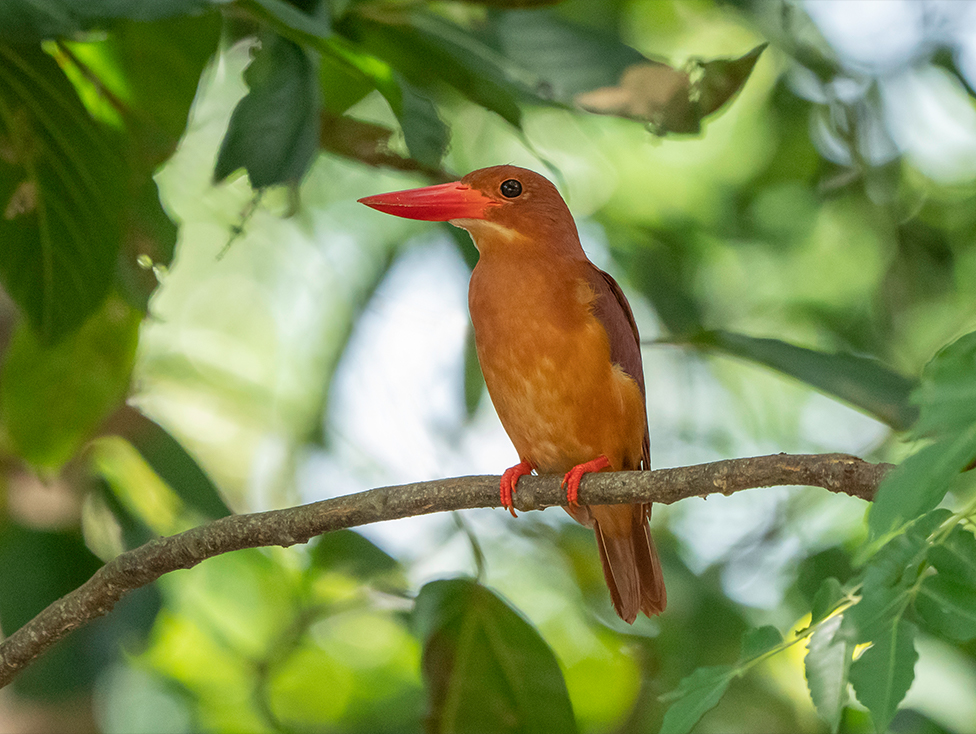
(509, 480)
(574, 476)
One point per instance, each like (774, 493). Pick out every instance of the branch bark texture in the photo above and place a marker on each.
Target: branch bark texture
(143, 565)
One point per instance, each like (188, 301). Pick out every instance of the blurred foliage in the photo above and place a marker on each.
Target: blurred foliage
(791, 211)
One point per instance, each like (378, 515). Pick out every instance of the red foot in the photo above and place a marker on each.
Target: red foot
(509, 480)
(573, 477)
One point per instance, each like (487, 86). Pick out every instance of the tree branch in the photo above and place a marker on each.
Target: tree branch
(143, 565)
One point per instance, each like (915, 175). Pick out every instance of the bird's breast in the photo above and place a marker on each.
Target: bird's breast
(546, 362)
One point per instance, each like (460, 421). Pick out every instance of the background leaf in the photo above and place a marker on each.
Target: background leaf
(486, 668)
(274, 130)
(61, 186)
(697, 694)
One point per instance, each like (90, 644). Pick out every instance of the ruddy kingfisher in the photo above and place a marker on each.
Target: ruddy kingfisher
(560, 353)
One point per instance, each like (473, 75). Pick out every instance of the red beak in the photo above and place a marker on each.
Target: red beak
(434, 203)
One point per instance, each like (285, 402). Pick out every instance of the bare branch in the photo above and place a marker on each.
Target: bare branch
(145, 564)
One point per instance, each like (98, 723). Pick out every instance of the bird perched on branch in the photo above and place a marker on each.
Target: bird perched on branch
(560, 353)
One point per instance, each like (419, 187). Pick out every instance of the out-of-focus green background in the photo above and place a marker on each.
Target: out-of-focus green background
(298, 346)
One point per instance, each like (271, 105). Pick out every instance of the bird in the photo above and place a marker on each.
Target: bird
(560, 353)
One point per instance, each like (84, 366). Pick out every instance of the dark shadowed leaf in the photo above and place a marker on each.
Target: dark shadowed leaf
(486, 668)
(697, 694)
(883, 674)
(62, 180)
(827, 664)
(43, 565)
(29, 21)
(721, 79)
(54, 397)
(274, 130)
(863, 382)
(948, 606)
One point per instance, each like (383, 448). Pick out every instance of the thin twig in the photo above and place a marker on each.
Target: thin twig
(143, 565)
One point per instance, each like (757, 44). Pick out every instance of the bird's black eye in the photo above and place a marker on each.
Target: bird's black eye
(511, 188)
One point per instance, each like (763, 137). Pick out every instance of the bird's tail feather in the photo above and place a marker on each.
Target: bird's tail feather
(630, 561)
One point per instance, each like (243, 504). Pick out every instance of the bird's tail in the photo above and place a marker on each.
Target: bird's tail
(630, 561)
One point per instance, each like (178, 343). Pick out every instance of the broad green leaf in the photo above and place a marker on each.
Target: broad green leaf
(274, 130)
(695, 696)
(42, 566)
(827, 597)
(863, 382)
(291, 17)
(62, 183)
(883, 674)
(485, 667)
(722, 79)
(920, 482)
(827, 664)
(757, 641)
(956, 556)
(54, 397)
(30, 21)
(948, 606)
(425, 133)
(171, 462)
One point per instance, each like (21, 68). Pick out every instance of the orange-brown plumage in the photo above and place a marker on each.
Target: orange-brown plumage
(560, 353)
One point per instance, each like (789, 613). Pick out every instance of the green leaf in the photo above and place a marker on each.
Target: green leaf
(425, 133)
(695, 696)
(171, 462)
(349, 552)
(62, 183)
(948, 607)
(42, 566)
(920, 482)
(883, 674)
(826, 599)
(863, 382)
(956, 556)
(947, 390)
(274, 130)
(485, 667)
(722, 79)
(756, 642)
(30, 21)
(429, 51)
(54, 397)
(287, 15)
(827, 664)
(474, 381)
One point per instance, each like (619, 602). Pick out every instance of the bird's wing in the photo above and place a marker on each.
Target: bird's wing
(611, 309)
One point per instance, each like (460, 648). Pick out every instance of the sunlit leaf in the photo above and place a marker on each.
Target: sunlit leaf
(62, 183)
(485, 667)
(827, 664)
(274, 130)
(863, 382)
(697, 694)
(883, 674)
(54, 397)
(948, 606)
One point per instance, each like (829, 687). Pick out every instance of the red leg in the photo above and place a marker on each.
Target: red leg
(509, 480)
(573, 477)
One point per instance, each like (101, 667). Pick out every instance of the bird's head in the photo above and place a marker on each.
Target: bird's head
(498, 204)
